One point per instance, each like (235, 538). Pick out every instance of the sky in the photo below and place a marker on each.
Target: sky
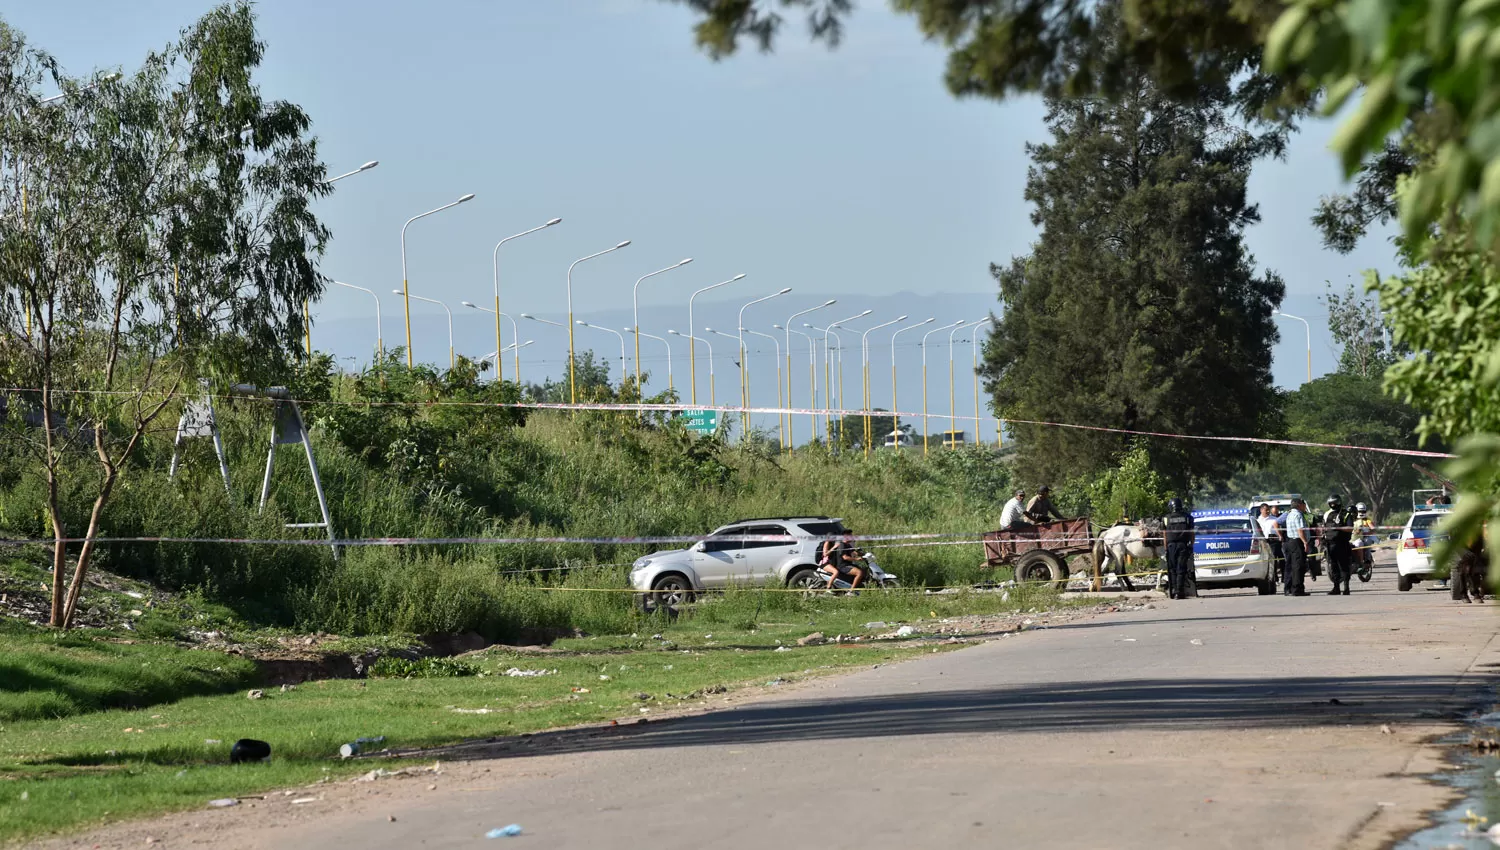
(849, 174)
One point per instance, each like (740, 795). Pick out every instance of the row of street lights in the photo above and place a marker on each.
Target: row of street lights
(784, 381)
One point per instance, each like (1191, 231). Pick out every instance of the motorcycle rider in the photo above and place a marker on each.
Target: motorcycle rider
(1364, 539)
(1178, 535)
(1337, 531)
(840, 557)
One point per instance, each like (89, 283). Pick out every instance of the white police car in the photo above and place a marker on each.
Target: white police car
(1414, 558)
(1229, 551)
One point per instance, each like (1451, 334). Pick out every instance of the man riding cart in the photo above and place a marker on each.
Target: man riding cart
(1037, 549)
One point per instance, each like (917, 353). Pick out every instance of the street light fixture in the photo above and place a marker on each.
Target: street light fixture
(663, 341)
(515, 334)
(744, 368)
(925, 426)
(895, 404)
(828, 383)
(450, 320)
(379, 337)
(405, 288)
(635, 314)
(812, 372)
(974, 354)
(693, 346)
(582, 323)
(693, 341)
(864, 343)
(1306, 327)
(495, 261)
(572, 380)
(790, 438)
(366, 167)
(777, 343)
(952, 393)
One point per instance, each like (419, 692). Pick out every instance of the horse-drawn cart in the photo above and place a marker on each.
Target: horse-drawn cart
(1040, 553)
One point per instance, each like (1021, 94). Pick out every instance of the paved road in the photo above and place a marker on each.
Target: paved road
(1229, 721)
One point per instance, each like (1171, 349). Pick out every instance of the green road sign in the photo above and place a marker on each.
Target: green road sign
(701, 421)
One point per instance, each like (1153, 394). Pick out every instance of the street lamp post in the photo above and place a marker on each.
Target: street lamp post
(635, 313)
(952, 392)
(515, 334)
(828, 383)
(812, 376)
(744, 368)
(692, 344)
(692, 341)
(669, 354)
(572, 382)
(895, 403)
(1306, 327)
(445, 310)
(307, 307)
(515, 346)
(791, 440)
(777, 344)
(582, 323)
(543, 321)
(379, 338)
(405, 288)
(739, 342)
(495, 261)
(864, 344)
(974, 355)
(366, 167)
(925, 426)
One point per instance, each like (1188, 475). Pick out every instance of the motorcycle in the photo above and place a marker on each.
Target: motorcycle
(874, 576)
(1364, 557)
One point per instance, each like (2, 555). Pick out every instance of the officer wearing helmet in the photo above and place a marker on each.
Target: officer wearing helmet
(1177, 534)
(1338, 548)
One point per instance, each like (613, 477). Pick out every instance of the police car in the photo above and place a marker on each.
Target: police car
(1229, 551)
(1414, 558)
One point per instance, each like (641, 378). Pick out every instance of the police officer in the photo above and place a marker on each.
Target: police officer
(1177, 533)
(1338, 546)
(1294, 548)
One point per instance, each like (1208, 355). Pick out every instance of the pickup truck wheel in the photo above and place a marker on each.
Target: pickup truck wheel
(670, 592)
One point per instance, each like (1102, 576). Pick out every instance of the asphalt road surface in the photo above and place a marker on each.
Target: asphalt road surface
(1229, 721)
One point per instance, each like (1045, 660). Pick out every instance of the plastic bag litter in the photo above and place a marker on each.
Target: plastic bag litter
(504, 831)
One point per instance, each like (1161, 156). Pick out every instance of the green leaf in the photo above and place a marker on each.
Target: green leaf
(1367, 126)
(1439, 24)
(1338, 93)
(1281, 35)
(1368, 21)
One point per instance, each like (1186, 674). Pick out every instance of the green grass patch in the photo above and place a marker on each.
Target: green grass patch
(84, 770)
(44, 674)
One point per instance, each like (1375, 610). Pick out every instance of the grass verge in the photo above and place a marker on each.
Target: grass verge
(66, 774)
(48, 675)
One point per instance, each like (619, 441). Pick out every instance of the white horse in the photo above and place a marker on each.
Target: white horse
(1140, 541)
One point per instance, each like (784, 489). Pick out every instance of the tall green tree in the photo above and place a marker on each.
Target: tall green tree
(1138, 307)
(1351, 409)
(156, 229)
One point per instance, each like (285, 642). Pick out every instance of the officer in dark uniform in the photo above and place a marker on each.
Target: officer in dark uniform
(1177, 533)
(1338, 544)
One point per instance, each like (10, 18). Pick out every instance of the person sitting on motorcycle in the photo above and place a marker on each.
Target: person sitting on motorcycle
(1364, 527)
(840, 557)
